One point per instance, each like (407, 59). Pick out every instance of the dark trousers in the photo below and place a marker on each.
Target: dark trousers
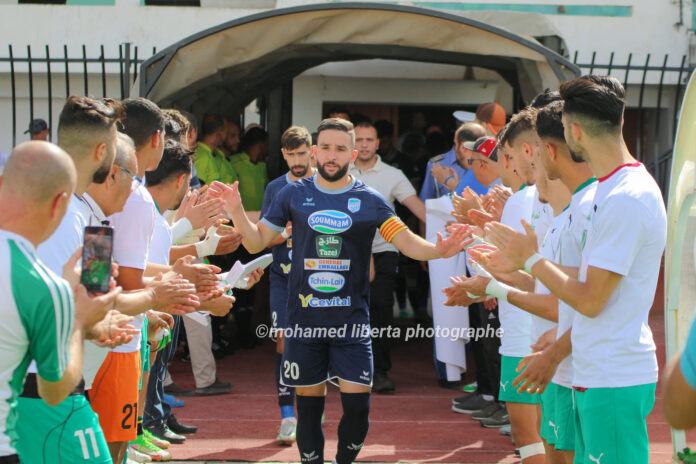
(485, 349)
(156, 409)
(382, 305)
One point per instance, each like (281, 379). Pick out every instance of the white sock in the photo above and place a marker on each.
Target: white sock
(488, 397)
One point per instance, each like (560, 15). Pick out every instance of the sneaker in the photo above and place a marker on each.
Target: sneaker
(382, 383)
(287, 432)
(687, 456)
(473, 403)
(146, 447)
(160, 443)
(506, 430)
(488, 411)
(461, 399)
(173, 402)
(136, 456)
(177, 427)
(470, 388)
(499, 419)
(161, 431)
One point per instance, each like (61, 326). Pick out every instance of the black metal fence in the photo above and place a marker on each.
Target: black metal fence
(80, 71)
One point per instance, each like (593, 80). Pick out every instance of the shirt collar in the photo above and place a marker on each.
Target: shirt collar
(96, 209)
(19, 238)
(376, 167)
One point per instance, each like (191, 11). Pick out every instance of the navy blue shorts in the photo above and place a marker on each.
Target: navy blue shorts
(312, 360)
(279, 305)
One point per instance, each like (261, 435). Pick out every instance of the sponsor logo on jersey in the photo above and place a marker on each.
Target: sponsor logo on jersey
(327, 264)
(326, 282)
(353, 205)
(289, 242)
(328, 246)
(310, 301)
(285, 268)
(309, 201)
(329, 221)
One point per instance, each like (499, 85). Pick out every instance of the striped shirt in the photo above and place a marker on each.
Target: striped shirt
(36, 323)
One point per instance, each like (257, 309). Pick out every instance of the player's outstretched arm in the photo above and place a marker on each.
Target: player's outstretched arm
(420, 249)
(256, 236)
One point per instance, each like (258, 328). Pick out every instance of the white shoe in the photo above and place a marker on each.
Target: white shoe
(287, 432)
(136, 456)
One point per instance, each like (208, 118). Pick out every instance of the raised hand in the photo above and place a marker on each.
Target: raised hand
(458, 297)
(173, 294)
(90, 310)
(492, 259)
(475, 285)
(71, 270)
(203, 276)
(112, 331)
(516, 247)
(480, 218)
(228, 193)
(230, 240)
(459, 238)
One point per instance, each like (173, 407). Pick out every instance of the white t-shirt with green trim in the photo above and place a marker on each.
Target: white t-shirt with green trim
(36, 323)
(627, 236)
(570, 254)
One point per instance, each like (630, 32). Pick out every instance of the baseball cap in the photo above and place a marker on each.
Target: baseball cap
(491, 114)
(486, 146)
(36, 126)
(464, 116)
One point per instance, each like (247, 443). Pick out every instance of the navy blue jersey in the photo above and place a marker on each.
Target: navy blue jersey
(280, 267)
(332, 239)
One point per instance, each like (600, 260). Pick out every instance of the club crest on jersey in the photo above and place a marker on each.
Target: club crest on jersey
(328, 246)
(310, 301)
(327, 264)
(329, 221)
(353, 205)
(326, 282)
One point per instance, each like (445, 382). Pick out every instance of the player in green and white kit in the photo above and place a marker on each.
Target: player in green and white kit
(41, 321)
(614, 363)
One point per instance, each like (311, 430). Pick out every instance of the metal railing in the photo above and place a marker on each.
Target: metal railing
(71, 68)
(77, 71)
(657, 159)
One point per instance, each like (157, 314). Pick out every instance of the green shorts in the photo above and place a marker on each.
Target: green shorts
(610, 424)
(547, 401)
(67, 433)
(507, 392)
(564, 419)
(144, 354)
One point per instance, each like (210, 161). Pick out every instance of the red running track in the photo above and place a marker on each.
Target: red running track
(415, 424)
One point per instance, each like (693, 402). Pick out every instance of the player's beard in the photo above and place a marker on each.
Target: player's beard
(299, 170)
(338, 175)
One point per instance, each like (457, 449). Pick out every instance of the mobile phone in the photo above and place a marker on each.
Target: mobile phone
(96, 259)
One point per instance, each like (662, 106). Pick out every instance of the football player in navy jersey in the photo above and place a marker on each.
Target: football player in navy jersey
(334, 218)
(296, 146)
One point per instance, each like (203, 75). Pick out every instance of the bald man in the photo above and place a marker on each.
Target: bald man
(42, 321)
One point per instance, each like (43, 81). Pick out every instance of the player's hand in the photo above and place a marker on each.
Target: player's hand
(228, 193)
(89, 310)
(517, 247)
(475, 285)
(112, 331)
(204, 213)
(458, 297)
(500, 195)
(254, 277)
(492, 260)
(157, 320)
(203, 276)
(220, 304)
(441, 173)
(540, 369)
(490, 304)
(459, 238)
(230, 240)
(174, 295)
(545, 340)
(71, 270)
(480, 218)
